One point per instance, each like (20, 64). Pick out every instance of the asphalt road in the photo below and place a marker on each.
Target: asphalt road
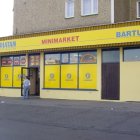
(39, 119)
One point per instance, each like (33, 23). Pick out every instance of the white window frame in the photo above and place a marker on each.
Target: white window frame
(138, 9)
(92, 10)
(66, 9)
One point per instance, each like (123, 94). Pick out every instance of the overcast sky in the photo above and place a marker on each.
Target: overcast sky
(6, 17)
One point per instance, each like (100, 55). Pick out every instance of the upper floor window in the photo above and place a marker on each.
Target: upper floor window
(89, 7)
(138, 9)
(69, 8)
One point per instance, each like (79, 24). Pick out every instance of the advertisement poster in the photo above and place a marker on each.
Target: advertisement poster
(87, 76)
(7, 61)
(22, 60)
(17, 77)
(16, 61)
(69, 76)
(6, 76)
(88, 57)
(52, 76)
(34, 60)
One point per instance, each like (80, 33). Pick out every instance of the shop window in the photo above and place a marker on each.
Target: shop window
(23, 60)
(7, 61)
(16, 61)
(65, 58)
(89, 7)
(111, 56)
(69, 8)
(131, 54)
(77, 70)
(52, 59)
(73, 58)
(19, 60)
(138, 9)
(34, 60)
(88, 57)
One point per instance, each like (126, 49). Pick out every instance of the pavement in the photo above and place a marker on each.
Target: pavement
(46, 119)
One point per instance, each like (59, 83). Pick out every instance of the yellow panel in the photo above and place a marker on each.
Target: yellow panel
(17, 77)
(93, 37)
(69, 76)
(52, 76)
(88, 76)
(6, 76)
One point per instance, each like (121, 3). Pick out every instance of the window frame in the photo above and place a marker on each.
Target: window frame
(66, 9)
(92, 10)
(69, 63)
(138, 9)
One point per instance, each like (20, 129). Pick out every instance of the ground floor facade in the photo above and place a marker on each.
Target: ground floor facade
(92, 63)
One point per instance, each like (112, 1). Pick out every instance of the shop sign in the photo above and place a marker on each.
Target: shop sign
(92, 37)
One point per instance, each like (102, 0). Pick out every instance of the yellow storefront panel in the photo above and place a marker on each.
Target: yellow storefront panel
(93, 37)
(87, 76)
(52, 76)
(69, 76)
(17, 77)
(6, 76)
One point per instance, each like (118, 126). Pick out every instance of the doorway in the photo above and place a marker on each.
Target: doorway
(33, 74)
(111, 74)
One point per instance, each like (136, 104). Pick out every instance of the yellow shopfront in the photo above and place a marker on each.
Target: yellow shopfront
(91, 63)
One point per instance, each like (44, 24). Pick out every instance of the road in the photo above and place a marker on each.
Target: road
(43, 119)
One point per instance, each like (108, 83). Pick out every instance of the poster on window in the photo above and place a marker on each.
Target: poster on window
(87, 76)
(69, 76)
(52, 59)
(22, 60)
(6, 76)
(88, 57)
(16, 61)
(34, 60)
(7, 61)
(52, 76)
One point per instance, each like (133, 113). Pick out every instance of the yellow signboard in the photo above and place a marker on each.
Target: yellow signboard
(17, 77)
(6, 76)
(87, 76)
(52, 76)
(93, 37)
(69, 76)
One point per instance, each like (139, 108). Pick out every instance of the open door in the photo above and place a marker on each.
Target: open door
(33, 74)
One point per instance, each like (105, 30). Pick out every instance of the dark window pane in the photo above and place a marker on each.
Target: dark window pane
(111, 56)
(88, 57)
(132, 54)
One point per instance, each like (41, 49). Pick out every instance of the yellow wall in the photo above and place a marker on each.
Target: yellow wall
(9, 92)
(129, 80)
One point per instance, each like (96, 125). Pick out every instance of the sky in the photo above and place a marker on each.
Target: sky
(6, 17)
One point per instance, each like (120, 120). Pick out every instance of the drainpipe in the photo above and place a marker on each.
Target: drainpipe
(112, 11)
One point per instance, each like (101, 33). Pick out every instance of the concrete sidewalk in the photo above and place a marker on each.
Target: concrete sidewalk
(106, 104)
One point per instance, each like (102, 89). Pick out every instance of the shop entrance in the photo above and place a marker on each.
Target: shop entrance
(33, 74)
(111, 74)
